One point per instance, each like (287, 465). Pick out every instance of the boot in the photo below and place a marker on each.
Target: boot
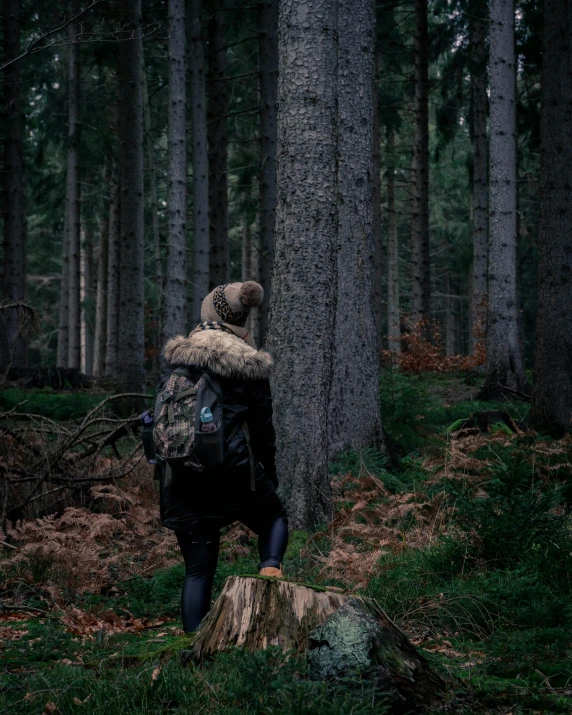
(272, 571)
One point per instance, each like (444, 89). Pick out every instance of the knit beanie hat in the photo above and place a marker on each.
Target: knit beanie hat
(231, 302)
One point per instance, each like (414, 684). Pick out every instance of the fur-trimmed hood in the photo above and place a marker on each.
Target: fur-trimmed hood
(219, 352)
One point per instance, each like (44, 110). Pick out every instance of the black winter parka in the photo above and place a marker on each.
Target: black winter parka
(242, 371)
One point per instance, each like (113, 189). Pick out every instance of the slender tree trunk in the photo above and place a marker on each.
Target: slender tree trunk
(14, 271)
(200, 160)
(376, 219)
(451, 318)
(420, 166)
(354, 420)
(175, 296)
(86, 295)
(268, 83)
(100, 337)
(303, 298)
(153, 199)
(73, 199)
(131, 342)
(393, 317)
(552, 396)
(480, 184)
(112, 337)
(217, 109)
(504, 365)
(63, 322)
(246, 251)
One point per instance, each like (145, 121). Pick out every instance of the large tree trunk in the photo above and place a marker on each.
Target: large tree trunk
(353, 420)
(73, 199)
(100, 336)
(131, 342)
(174, 320)
(480, 182)
(552, 396)
(303, 298)
(393, 317)
(268, 79)
(341, 633)
(112, 338)
(200, 160)
(217, 110)
(504, 365)
(420, 170)
(14, 270)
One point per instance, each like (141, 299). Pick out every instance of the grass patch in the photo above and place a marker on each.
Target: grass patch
(59, 406)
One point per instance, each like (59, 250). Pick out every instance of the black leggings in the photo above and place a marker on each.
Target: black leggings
(200, 550)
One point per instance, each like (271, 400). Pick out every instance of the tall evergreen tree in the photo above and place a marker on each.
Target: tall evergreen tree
(478, 35)
(393, 316)
(217, 110)
(420, 169)
(175, 296)
(113, 268)
(302, 305)
(200, 159)
(73, 206)
(504, 364)
(131, 340)
(552, 395)
(14, 274)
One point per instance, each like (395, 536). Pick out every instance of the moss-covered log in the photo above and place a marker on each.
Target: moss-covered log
(343, 635)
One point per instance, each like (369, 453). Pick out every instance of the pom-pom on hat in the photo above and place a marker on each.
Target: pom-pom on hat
(231, 303)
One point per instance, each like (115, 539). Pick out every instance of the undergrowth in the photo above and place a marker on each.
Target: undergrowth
(465, 541)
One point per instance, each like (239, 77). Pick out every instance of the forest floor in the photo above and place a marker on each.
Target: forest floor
(464, 538)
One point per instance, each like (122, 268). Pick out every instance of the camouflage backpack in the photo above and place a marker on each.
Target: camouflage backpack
(177, 425)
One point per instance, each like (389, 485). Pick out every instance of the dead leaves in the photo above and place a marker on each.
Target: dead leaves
(103, 547)
(90, 626)
(369, 523)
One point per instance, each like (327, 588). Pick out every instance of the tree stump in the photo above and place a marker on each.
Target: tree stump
(343, 635)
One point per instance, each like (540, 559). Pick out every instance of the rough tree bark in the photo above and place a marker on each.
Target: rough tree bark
(354, 421)
(14, 273)
(393, 317)
(303, 296)
(420, 169)
(73, 208)
(86, 300)
(174, 318)
(552, 395)
(478, 33)
(131, 340)
(99, 340)
(504, 365)
(268, 83)
(200, 159)
(63, 319)
(340, 632)
(376, 220)
(112, 336)
(451, 318)
(217, 110)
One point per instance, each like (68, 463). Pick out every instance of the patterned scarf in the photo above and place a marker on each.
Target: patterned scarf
(227, 328)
